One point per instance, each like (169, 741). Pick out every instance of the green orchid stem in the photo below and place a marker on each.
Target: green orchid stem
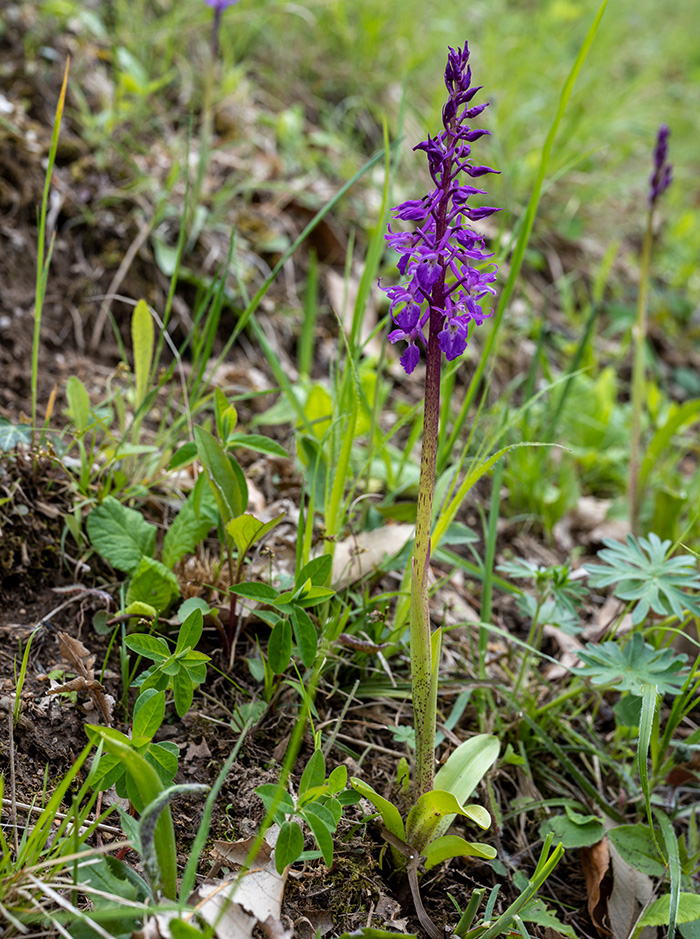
(423, 686)
(639, 336)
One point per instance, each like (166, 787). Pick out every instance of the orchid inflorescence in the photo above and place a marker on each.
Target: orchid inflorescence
(444, 290)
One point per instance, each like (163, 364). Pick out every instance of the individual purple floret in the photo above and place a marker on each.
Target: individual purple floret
(660, 179)
(442, 285)
(221, 4)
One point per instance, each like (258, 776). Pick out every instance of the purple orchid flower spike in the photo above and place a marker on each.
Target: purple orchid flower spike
(444, 291)
(662, 176)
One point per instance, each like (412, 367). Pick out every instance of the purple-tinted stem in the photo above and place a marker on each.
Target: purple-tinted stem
(215, 28)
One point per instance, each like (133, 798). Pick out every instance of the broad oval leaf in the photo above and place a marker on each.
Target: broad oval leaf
(226, 479)
(254, 591)
(183, 691)
(320, 821)
(430, 809)
(464, 769)
(453, 846)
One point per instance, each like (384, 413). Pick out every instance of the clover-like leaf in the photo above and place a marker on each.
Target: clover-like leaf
(640, 570)
(627, 668)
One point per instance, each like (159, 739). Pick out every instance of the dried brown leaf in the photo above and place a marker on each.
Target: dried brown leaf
(595, 861)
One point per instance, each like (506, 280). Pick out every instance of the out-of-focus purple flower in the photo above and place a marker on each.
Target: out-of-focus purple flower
(660, 179)
(436, 256)
(218, 6)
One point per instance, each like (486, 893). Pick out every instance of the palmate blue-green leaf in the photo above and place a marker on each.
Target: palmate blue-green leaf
(120, 535)
(12, 434)
(640, 570)
(627, 668)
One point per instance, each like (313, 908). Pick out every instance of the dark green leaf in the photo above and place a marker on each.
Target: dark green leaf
(231, 497)
(256, 442)
(152, 647)
(279, 648)
(317, 571)
(153, 584)
(314, 772)
(305, 635)
(290, 844)
(190, 631)
(636, 846)
(320, 821)
(120, 535)
(149, 712)
(192, 523)
(183, 455)
(183, 691)
(254, 591)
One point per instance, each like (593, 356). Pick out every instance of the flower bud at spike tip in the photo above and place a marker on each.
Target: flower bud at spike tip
(436, 256)
(662, 176)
